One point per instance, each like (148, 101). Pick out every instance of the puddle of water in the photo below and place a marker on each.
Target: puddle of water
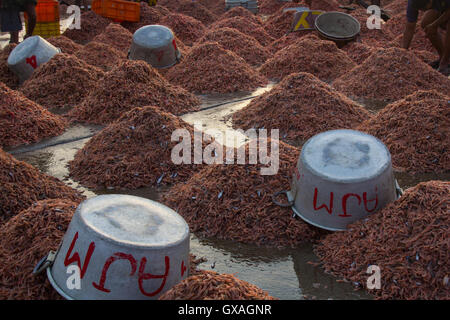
(208, 100)
(270, 269)
(216, 121)
(315, 283)
(372, 105)
(285, 274)
(54, 162)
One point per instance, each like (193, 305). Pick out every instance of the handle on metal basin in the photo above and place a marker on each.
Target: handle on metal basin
(44, 263)
(288, 194)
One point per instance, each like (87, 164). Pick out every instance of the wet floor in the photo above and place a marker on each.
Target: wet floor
(372, 105)
(285, 274)
(216, 112)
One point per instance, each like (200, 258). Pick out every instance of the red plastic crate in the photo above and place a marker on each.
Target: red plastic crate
(47, 11)
(118, 10)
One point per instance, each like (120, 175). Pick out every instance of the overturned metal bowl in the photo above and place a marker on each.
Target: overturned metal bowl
(337, 26)
(155, 45)
(120, 247)
(342, 176)
(28, 55)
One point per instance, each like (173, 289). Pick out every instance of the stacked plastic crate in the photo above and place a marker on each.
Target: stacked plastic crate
(47, 19)
(117, 10)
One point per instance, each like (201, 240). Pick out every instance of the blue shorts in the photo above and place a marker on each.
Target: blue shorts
(10, 20)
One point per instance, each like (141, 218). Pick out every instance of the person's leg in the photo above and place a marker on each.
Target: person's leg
(436, 40)
(30, 10)
(11, 22)
(14, 37)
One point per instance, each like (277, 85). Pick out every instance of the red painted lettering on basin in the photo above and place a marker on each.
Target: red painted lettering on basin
(76, 257)
(118, 255)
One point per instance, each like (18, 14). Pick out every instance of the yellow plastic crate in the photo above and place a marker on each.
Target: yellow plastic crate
(118, 10)
(45, 29)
